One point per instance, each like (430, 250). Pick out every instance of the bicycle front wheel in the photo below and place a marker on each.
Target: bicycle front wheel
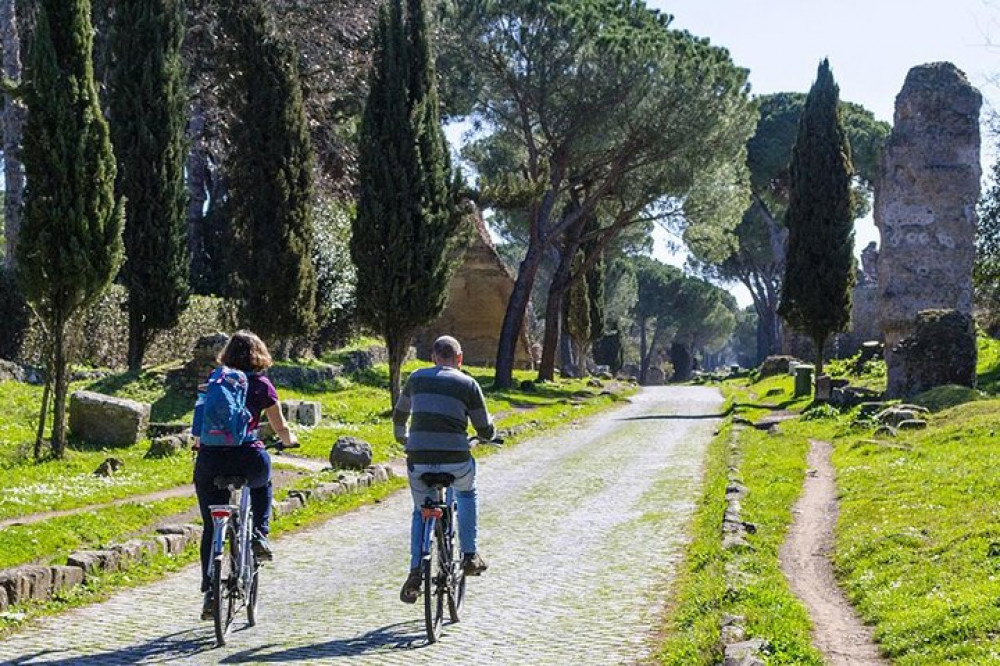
(252, 593)
(433, 593)
(224, 586)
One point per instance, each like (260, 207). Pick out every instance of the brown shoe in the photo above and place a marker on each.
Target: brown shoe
(411, 588)
(473, 564)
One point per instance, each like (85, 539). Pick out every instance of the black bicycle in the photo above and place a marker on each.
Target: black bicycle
(234, 568)
(441, 567)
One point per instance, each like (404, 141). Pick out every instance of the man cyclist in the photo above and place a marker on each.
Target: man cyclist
(440, 402)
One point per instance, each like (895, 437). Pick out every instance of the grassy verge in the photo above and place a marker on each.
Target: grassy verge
(51, 541)
(918, 540)
(714, 582)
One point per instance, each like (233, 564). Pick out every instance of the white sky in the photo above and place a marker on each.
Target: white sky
(871, 46)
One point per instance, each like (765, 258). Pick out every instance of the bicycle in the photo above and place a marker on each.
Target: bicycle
(441, 569)
(234, 568)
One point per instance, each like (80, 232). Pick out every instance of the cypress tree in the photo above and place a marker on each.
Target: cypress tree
(270, 177)
(70, 246)
(819, 273)
(407, 220)
(148, 116)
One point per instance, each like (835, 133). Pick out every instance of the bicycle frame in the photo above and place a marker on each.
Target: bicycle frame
(222, 514)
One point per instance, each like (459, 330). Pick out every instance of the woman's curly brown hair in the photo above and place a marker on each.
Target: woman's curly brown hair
(247, 352)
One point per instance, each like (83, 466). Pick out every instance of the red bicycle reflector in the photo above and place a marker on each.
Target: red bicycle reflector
(434, 512)
(221, 513)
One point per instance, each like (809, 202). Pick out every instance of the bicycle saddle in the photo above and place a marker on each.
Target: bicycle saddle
(434, 479)
(235, 482)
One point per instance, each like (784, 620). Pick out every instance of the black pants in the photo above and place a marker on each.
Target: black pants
(255, 465)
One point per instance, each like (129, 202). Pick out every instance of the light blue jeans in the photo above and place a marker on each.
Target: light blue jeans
(464, 489)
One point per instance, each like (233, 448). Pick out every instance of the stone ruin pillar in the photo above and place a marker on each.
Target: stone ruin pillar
(925, 205)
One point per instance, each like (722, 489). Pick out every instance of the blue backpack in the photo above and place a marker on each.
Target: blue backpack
(225, 417)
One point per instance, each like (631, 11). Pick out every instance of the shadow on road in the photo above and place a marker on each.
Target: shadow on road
(165, 649)
(404, 635)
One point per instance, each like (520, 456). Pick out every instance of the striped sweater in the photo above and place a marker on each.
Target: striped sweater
(440, 402)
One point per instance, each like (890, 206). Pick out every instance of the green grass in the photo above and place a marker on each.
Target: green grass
(51, 541)
(713, 581)
(988, 364)
(918, 540)
(691, 634)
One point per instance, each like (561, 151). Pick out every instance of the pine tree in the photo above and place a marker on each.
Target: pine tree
(819, 273)
(271, 182)
(70, 246)
(148, 114)
(404, 233)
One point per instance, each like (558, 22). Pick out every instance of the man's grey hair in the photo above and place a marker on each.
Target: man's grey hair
(447, 348)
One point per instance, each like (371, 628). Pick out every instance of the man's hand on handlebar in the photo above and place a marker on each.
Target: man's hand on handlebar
(496, 440)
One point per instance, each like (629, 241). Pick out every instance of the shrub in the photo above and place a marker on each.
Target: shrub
(99, 336)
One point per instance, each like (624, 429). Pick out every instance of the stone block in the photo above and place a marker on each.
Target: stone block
(351, 453)
(309, 414)
(87, 560)
(301, 495)
(350, 483)
(176, 543)
(129, 552)
(803, 380)
(29, 583)
(380, 473)
(167, 446)
(65, 577)
(4, 602)
(104, 419)
(290, 410)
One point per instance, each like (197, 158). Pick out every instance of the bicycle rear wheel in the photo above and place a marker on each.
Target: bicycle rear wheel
(224, 586)
(433, 593)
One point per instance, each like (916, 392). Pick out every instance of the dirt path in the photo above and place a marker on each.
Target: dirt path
(837, 631)
(583, 527)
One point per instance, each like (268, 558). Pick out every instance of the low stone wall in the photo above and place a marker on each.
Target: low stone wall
(34, 582)
(738, 650)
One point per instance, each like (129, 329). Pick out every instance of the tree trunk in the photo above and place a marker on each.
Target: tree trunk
(198, 177)
(513, 320)
(13, 121)
(43, 416)
(553, 315)
(396, 345)
(136, 341)
(59, 362)
(644, 353)
(820, 342)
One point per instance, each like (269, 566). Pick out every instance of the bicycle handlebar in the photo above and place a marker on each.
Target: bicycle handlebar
(476, 439)
(276, 444)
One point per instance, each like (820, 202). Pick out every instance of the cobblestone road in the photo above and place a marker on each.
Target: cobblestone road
(582, 528)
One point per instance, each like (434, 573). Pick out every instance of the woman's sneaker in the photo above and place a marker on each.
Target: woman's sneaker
(411, 588)
(473, 565)
(261, 547)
